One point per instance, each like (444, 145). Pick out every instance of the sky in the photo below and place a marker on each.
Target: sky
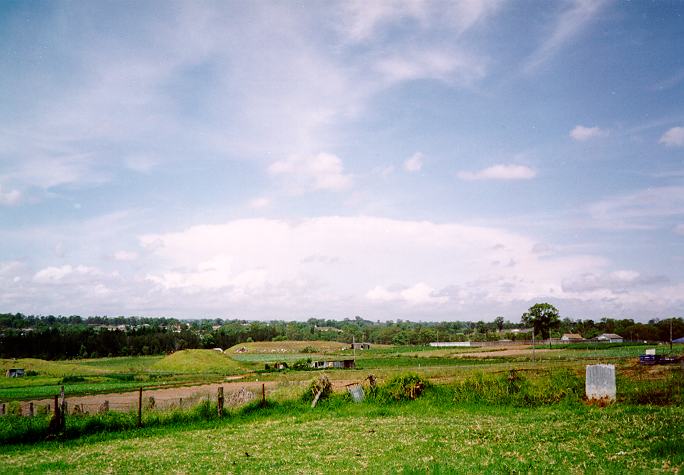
(430, 160)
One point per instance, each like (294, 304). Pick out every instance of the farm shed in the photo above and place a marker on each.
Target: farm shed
(610, 338)
(342, 364)
(15, 373)
(571, 337)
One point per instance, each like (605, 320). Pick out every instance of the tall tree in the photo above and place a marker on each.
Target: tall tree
(542, 317)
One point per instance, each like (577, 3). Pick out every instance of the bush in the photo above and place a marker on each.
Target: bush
(71, 379)
(309, 349)
(322, 384)
(403, 388)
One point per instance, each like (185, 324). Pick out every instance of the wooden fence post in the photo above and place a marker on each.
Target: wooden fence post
(140, 407)
(2, 409)
(263, 394)
(220, 401)
(31, 409)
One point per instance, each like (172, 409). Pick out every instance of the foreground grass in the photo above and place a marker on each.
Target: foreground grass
(416, 436)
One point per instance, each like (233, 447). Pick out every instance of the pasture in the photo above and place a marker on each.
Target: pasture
(468, 419)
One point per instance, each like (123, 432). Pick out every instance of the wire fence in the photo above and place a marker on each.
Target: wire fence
(130, 402)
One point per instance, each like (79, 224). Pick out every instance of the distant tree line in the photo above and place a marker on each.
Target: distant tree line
(62, 337)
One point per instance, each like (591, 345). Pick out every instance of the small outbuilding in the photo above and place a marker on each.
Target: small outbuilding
(610, 338)
(341, 364)
(15, 373)
(571, 338)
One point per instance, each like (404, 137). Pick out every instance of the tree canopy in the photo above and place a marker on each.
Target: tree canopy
(543, 317)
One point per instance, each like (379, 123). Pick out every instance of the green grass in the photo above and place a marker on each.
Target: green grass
(413, 437)
(198, 361)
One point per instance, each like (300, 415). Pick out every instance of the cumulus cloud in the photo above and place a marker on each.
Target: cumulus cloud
(312, 172)
(499, 172)
(614, 282)
(581, 133)
(414, 163)
(673, 137)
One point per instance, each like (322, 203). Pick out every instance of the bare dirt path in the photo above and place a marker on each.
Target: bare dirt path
(509, 352)
(184, 396)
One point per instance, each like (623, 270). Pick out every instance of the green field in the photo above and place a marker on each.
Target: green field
(422, 436)
(497, 412)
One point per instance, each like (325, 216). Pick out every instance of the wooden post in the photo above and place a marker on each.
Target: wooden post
(2, 409)
(140, 407)
(31, 409)
(180, 403)
(263, 394)
(220, 401)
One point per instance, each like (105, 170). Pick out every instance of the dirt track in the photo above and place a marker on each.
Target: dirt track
(183, 396)
(496, 353)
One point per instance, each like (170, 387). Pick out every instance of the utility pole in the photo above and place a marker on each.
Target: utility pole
(533, 360)
(671, 318)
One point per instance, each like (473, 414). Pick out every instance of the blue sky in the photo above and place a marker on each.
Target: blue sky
(395, 159)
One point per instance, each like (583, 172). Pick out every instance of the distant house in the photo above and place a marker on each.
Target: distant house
(360, 346)
(342, 364)
(327, 329)
(610, 338)
(15, 373)
(571, 338)
(521, 330)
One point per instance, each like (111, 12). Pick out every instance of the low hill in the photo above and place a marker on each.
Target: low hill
(275, 347)
(198, 361)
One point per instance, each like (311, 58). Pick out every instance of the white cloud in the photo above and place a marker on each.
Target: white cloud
(642, 209)
(582, 133)
(362, 21)
(448, 66)
(570, 22)
(673, 137)
(9, 197)
(679, 229)
(260, 202)
(500, 172)
(125, 255)
(415, 162)
(62, 274)
(323, 171)
(418, 294)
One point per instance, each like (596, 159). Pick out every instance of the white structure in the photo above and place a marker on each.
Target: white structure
(600, 382)
(610, 338)
(571, 337)
(447, 344)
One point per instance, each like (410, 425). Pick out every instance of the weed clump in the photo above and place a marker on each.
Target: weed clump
(406, 387)
(515, 389)
(319, 388)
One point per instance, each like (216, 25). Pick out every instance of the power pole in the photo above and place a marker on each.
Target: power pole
(671, 318)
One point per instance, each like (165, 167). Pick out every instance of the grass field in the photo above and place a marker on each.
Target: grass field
(413, 437)
(498, 414)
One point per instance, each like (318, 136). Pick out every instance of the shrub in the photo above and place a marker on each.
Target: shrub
(403, 388)
(320, 384)
(309, 349)
(71, 379)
